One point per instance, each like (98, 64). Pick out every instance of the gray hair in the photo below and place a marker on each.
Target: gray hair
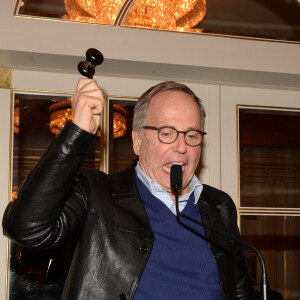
(141, 107)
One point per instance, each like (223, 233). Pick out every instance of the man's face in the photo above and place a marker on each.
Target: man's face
(178, 110)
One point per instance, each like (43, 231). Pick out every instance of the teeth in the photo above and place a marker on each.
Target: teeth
(167, 169)
(174, 163)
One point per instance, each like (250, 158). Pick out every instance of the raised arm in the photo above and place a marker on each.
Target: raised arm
(51, 203)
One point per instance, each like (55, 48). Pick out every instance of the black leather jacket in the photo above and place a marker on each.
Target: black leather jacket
(106, 212)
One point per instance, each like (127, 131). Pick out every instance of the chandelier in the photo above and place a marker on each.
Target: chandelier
(14, 193)
(61, 113)
(16, 116)
(119, 120)
(180, 15)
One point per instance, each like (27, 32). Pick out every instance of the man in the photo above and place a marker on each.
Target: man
(130, 243)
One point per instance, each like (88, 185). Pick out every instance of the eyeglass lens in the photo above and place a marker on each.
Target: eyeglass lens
(169, 135)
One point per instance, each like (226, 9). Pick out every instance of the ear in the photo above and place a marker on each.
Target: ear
(136, 141)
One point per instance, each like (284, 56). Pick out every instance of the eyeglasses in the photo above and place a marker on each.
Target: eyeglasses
(168, 135)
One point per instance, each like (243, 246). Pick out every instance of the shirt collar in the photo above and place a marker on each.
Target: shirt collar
(195, 186)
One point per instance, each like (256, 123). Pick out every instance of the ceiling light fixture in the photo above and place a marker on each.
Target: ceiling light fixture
(61, 113)
(180, 15)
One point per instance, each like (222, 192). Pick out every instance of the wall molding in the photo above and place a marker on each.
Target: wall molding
(5, 79)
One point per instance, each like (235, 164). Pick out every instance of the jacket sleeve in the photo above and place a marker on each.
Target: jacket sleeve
(52, 202)
(219, 211)
(245, 284)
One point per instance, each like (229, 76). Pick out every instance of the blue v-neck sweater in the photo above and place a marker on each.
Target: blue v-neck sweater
(181, 265)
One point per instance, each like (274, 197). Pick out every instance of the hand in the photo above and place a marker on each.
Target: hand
(87, 105)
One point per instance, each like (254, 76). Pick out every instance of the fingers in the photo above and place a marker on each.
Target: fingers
(86, 84)
(90, 98)
(87, 105)
(82, 82)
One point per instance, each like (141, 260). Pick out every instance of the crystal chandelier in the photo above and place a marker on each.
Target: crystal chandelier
(16, 116)
(180, 15)
(119, 120)
(61, 113)
(14, 193)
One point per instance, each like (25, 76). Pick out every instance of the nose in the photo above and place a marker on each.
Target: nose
(179, 145)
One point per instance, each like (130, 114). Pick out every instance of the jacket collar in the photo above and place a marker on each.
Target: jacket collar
(124, 193)
(208, 204)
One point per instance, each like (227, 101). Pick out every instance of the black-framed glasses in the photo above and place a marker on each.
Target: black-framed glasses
(168, 135)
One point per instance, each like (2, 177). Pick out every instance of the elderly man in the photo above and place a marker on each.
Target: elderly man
(130, 243)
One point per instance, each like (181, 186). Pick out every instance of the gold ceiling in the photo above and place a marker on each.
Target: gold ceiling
(179, 15)
(259, 19)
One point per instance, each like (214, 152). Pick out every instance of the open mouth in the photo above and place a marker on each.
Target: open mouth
(167, 167)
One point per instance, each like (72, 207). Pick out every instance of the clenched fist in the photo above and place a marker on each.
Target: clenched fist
(87, 105)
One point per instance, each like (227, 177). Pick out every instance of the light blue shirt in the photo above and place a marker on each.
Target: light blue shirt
(195, 186)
